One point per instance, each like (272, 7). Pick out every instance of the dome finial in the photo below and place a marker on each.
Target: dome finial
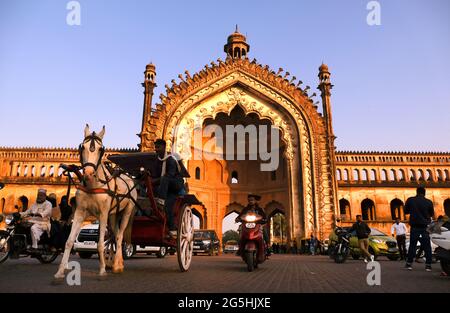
(236, 46)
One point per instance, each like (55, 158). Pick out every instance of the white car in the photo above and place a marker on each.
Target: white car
(86, 244)
(231, 246)
(422, 255)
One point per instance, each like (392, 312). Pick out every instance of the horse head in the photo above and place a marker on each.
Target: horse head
(91, 151)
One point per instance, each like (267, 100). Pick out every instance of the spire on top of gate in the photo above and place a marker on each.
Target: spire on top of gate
(236, 46)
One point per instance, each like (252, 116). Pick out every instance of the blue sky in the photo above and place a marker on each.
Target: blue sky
(391, 81)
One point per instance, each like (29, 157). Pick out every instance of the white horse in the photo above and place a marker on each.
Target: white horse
(90, 199)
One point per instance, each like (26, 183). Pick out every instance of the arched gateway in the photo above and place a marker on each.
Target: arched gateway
(300, 192)
(238, 91)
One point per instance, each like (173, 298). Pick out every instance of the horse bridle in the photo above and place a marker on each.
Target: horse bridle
(93, 138)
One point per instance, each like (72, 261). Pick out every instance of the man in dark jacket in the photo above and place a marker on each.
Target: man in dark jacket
(253, 206)
(420, 211)
(168, 181)
(362, 232)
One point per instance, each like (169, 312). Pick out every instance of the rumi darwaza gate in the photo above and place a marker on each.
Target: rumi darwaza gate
(314, 185)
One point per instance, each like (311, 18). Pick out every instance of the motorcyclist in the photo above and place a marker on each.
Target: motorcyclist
(40, 213)
(253, 207)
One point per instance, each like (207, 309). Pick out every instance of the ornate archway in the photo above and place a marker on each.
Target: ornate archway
(258, 90)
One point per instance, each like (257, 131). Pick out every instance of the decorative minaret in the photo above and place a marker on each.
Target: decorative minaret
(236, 46)
(149, 85)
(325, 87)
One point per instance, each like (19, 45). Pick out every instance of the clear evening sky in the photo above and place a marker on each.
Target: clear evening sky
(391, 81)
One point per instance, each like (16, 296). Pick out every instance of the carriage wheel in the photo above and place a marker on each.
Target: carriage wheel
(185, 238)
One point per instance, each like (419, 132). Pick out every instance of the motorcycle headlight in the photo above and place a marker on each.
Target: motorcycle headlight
(206, 242)
(250, 218)
(8, 219)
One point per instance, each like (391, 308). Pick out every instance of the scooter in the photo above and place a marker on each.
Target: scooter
(252, 240)
(440, 236)
(15, 241)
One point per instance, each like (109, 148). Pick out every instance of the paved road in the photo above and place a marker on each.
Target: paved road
(225, 273)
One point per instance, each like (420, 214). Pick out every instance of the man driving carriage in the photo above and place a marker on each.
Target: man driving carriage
(41, 211)
(167, 179)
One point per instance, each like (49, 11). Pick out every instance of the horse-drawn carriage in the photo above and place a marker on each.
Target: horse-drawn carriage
(109, 191)
(151, 228)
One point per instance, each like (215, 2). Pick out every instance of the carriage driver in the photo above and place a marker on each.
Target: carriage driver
(169, 182)
(40, 213)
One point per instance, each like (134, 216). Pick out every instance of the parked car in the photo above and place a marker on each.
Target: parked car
(206, 241)
(380, 244)
(86, 244)
(231, 246)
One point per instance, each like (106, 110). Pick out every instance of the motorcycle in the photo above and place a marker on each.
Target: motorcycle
(341, 249)
(15, 241)
(440, 236)
(252, 241)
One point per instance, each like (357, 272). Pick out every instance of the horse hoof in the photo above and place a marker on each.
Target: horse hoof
(102, 277)
(57, 280)
(117, 270)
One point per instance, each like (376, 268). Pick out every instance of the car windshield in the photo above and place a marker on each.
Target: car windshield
(376, 232)
(202, 235)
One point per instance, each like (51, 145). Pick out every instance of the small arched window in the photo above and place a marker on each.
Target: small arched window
(373, 175)
(43, 170)
(345, 175)
(412, 175)
(234, 177)
(356, 174)
(338, 174)
(197, 173)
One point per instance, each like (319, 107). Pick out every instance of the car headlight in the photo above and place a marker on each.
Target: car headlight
(8, 219)
(376, 240)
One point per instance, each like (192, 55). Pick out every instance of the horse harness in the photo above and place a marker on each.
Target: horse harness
(114, 175)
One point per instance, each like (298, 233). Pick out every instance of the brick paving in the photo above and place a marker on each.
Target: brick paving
(226, 273)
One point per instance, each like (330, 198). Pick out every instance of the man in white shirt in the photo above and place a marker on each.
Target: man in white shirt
(400, 232)
(40, 213)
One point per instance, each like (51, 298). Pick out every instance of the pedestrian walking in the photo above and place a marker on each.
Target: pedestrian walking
(421, 211)
(362, 232)
(400, 235)
(312, 244)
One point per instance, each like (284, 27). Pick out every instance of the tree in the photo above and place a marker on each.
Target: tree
(230, 235)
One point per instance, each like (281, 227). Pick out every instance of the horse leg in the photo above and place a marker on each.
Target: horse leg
(118, 258)
(76, 225)
(103, 220)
